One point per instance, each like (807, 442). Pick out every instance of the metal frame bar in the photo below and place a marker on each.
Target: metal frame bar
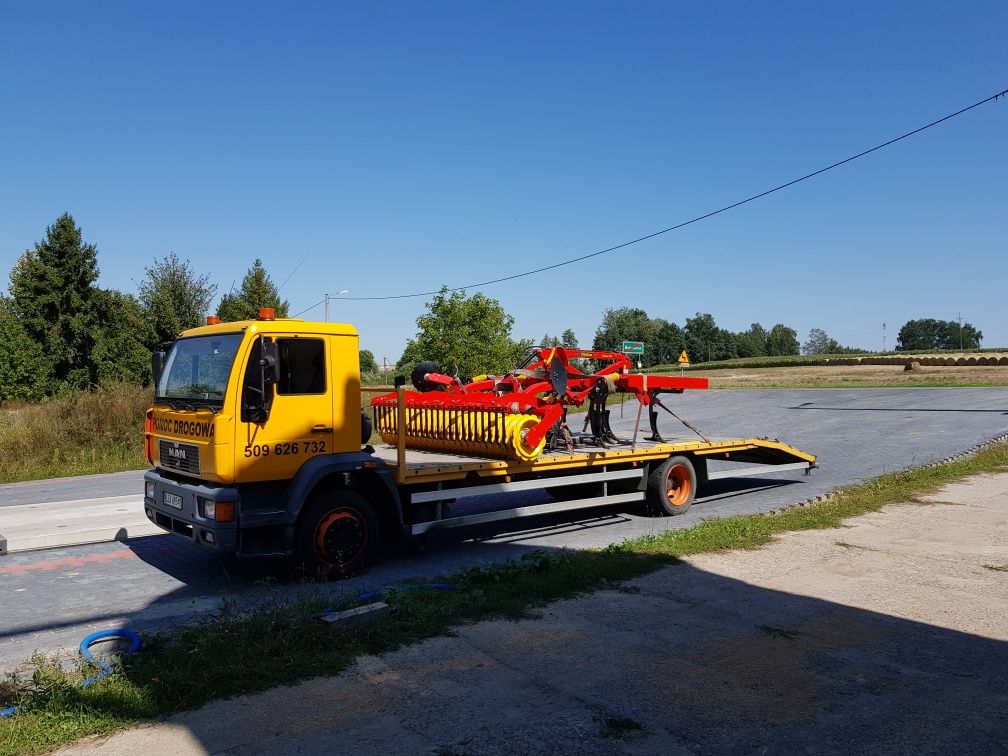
(538, 509)
(523, 485)
(748, 472)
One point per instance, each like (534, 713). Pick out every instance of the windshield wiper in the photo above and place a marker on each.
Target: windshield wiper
(177, 402)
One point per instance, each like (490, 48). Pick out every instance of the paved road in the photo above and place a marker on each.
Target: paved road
(69, 489)
(53, 598)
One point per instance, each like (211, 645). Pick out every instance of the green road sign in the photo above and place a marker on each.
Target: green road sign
(633, 347)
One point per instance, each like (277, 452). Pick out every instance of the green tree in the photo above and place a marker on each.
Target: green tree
(257, 290)
(122, 352)
(669, 341)
(568, 339)
(53, 291)
(175, 297)
(624, 324)
(819, 342)
(464, 335)
(752, 343)
(368, 366)
(782, 341)
(928, 333)
(549, 341)
(705, 341)
(25, 372)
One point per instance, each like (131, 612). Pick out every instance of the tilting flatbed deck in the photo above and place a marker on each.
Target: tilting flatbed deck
(435, 467)
(619, 473)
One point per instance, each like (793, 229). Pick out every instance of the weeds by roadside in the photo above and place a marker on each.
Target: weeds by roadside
(233, 655)
(77, 434)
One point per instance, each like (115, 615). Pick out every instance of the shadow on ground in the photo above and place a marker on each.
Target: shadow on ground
(678, 661)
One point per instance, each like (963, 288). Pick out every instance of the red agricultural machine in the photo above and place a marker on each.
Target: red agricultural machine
(522, 413)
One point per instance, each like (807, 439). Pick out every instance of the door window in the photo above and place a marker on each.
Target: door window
(302, 367)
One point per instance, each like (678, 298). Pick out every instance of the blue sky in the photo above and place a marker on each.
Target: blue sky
(409, 145)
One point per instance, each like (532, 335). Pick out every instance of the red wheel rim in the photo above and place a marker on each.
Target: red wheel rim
(341, 537)
(678, 485)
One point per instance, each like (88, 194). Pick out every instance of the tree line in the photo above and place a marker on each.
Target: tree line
(61, 332)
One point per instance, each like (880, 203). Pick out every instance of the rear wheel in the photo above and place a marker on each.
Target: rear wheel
(672, 486)
(337, 536)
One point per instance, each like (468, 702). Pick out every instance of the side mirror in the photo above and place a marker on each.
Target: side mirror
(260, 380)
(268, 375)
(157, 367)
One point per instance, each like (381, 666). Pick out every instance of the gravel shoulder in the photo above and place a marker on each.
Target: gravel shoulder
(889, 634)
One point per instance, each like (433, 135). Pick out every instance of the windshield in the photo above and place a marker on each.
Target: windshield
(197, 369)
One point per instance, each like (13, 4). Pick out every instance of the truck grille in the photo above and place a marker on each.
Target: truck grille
(179, 456)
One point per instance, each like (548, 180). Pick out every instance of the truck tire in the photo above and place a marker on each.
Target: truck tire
(671, 487)
(366, 428)
(337, 536)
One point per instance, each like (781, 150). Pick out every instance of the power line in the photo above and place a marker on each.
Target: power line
(293, 271)
(697, 219)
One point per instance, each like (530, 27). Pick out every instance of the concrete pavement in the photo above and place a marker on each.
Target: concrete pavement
(57, 524)
(60, 512)
(889, 635)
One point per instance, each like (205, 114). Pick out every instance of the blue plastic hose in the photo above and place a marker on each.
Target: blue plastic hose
(85, 649)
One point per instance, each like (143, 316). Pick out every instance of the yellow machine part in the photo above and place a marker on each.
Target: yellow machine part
(484, 433)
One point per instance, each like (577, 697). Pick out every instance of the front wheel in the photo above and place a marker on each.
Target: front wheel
(672, 486)
(337, 535)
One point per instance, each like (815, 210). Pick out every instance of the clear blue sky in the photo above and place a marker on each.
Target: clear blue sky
(409, 145)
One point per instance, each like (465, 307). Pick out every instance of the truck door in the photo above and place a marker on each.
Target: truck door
(300, 421)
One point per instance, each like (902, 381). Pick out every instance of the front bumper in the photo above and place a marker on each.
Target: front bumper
(189, 520)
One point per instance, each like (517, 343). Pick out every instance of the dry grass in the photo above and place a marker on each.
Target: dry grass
(78, 434)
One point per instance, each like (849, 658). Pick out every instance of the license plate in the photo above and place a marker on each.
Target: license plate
(173, 500)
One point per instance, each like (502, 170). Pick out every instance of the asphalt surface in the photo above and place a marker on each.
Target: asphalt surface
(53, 598)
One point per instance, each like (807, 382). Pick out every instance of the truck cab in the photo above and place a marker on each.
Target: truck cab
(248, 418)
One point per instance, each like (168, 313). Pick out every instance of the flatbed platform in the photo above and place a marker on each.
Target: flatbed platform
(439, 467)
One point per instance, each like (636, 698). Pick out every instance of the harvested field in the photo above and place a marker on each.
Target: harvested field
(852, 376)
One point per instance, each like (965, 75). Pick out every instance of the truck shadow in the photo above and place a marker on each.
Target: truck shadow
(686, 658)
(207, 585)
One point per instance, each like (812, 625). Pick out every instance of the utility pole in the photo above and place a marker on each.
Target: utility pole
(960, 331)
(883, 337)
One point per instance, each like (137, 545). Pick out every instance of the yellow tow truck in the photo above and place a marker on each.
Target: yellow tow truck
(259, 446)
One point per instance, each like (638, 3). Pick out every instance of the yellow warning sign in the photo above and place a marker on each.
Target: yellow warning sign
(683, 358)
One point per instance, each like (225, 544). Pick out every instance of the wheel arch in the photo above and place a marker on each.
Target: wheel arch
(376, 484)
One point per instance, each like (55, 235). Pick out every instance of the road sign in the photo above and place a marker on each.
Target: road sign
(683, 358)
(633, 347)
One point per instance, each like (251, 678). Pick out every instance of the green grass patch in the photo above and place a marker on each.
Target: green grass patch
(232, 655)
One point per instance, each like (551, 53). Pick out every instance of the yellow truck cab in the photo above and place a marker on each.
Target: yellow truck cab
(249, 417)
(259, 448)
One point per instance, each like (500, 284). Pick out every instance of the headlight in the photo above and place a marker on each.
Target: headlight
(149, 489)
(209, 508)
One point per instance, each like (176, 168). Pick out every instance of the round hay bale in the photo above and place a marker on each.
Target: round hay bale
(971, 361)
(912, 365)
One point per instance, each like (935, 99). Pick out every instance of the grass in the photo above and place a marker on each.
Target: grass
(232, 655)
(77, 434)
